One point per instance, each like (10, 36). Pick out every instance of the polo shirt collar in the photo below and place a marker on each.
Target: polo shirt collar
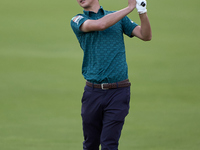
(89, 13)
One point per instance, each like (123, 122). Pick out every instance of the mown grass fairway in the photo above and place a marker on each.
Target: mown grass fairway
(41, 83)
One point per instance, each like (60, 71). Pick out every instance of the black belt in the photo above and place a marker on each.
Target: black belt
(105, 86)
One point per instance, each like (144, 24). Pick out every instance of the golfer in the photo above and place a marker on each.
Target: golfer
(105, 101)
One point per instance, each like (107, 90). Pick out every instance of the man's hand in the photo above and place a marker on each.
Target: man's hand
(141, 6)
(132, 4)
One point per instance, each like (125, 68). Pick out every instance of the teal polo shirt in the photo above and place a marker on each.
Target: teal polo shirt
(104, 58)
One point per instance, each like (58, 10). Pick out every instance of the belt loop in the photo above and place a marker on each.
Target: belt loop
(117, 84)
(93, 85)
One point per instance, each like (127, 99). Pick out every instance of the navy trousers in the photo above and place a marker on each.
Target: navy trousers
(103, 113)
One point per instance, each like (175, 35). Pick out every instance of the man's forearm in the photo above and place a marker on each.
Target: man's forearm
(111, 19)
(145, 26)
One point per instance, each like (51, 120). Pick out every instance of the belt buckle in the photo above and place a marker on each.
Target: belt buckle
(103, 87)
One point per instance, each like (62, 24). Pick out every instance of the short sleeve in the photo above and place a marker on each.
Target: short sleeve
(76, 22)
(128, 25)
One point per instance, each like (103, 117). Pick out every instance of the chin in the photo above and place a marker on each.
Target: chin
(84, 6)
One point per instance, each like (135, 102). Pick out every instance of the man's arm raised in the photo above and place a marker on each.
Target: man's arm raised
(144, 31)
(108, 20)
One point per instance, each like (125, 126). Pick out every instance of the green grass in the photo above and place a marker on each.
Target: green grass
(41, 83)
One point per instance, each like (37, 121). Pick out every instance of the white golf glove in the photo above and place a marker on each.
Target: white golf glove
(141, 6)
